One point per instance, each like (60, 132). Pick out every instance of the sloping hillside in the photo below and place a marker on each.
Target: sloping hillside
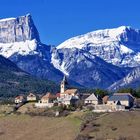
(14, 81)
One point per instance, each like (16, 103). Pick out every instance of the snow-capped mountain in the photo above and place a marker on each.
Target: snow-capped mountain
(119, 46)
(18, 35)
(20, 42)
(132, 79)
(96, 59)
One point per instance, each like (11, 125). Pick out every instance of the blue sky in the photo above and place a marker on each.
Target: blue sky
(58, 20)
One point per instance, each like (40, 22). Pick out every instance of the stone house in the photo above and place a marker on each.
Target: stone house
(92, 99)
(125, 99)
(48, 98)
(70, 100)
(31, 97)
(46, 101)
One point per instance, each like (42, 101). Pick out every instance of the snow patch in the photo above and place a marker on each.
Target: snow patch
(57, 65)
(22, 48)
(125, 50)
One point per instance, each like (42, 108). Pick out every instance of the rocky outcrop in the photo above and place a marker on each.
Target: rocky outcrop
(18, 29)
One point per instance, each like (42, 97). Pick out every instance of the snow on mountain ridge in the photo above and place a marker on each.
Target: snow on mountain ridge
(6, 19)
(95, 37)
(119, 46)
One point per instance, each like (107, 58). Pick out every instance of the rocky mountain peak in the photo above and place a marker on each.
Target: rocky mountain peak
(18, 29)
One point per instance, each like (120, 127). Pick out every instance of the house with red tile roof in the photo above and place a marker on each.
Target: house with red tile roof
(19, 99)
(48, 98)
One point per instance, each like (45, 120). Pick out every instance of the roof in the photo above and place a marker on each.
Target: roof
(31, 95)
(70, 91)
(58, 95)
(92, 97)
(120, 97)
(68, 98)
(129, 94)
(84, 95)
(20, 97)
(48, 96)
(64, 81)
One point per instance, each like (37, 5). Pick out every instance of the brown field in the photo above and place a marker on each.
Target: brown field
(118, 125)
(107, 126)
(24, 127)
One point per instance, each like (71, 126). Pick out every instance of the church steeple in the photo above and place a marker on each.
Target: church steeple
(63, 85)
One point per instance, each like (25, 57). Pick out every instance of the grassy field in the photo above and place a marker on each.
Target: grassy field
(24, 127)
(107, 126)
(116, 126)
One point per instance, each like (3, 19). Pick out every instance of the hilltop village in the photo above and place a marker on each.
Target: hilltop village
(70, 97)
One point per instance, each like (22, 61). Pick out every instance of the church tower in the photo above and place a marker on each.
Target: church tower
(63, 85)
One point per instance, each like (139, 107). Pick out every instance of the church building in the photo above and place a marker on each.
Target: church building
(67, 96)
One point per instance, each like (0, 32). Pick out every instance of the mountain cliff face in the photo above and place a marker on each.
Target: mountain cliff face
(18, 29)
(132, 79)
(96, 59)
(18, 35)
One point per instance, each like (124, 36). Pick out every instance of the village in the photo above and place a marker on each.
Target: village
(76, 115)
(71, 97)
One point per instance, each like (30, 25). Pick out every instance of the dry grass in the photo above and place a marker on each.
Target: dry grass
(119, 124)
(24, 127)
(5, 109)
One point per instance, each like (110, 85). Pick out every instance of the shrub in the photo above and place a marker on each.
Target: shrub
(71, 108)
(58, 108)
(83, 137)
(90, 107)
(80, 104)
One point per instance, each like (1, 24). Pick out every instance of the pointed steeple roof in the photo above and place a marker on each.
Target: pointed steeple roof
(64, 80)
